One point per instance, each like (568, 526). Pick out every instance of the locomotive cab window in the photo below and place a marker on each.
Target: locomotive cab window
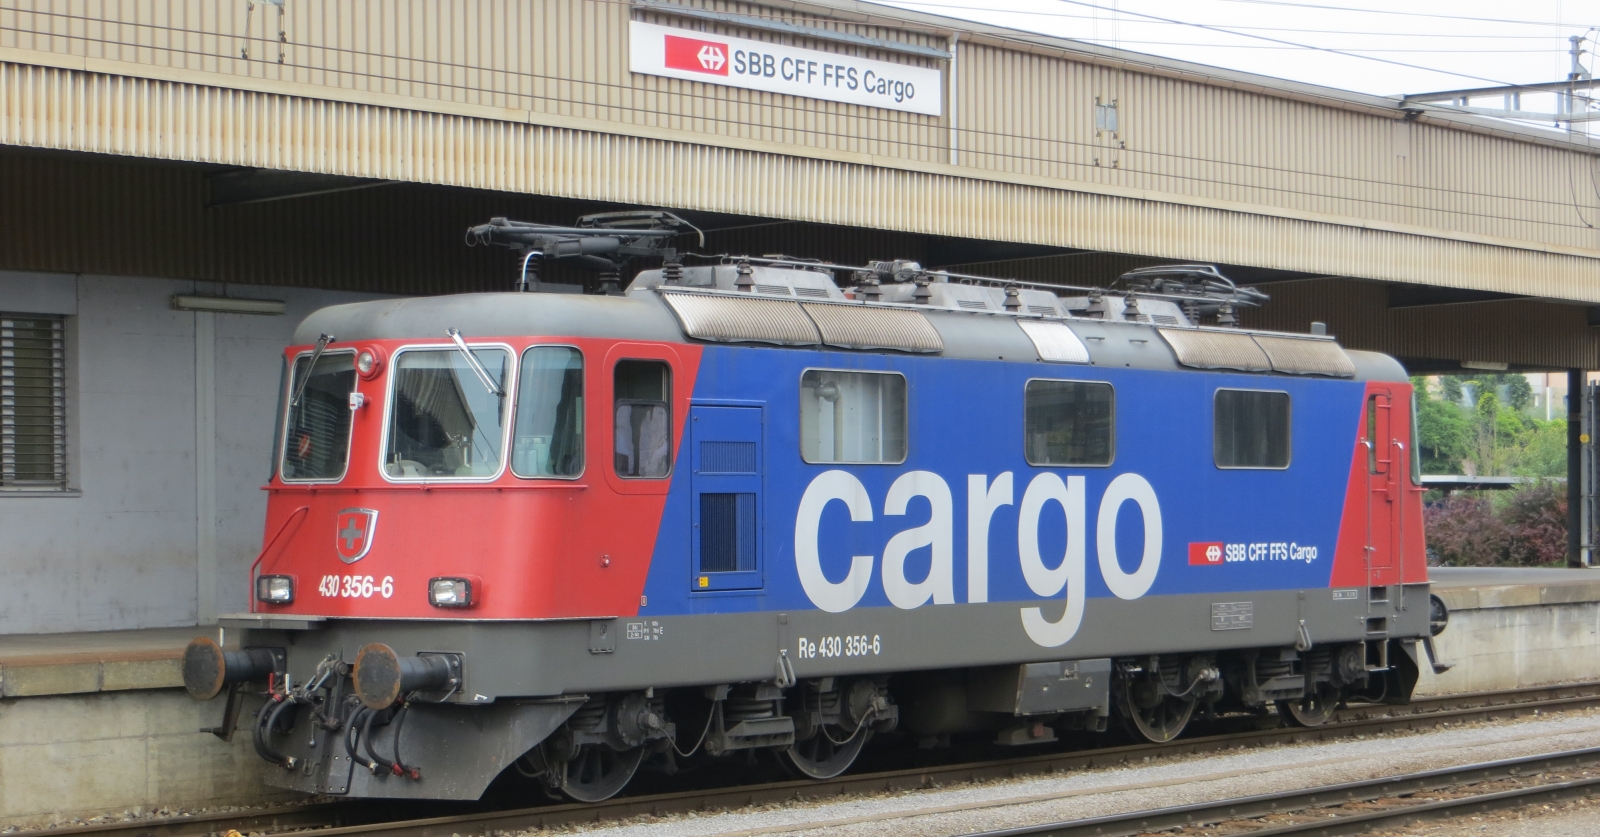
(642, 393)
(1069, 423)
(852, 416)
(548, 439)
(444, 421)
(1250, 429)
(316, 441)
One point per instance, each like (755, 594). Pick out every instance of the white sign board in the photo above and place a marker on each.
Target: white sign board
(757, 65)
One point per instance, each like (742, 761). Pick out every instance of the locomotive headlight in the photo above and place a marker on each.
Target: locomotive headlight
(275, 589)
(450, 592)
(369, 362)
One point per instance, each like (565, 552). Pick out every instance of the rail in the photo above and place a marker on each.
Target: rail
(380, 818)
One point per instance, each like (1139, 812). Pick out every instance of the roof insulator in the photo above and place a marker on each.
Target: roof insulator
(1225, 317)
(923, 293)
(1097, 306)
(1013, 299)
(872, 289)
(1130, 308)
(745, 282)
(672, 272)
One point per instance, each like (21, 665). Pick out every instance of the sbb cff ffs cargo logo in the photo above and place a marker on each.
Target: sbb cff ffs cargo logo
(697, 56)
(786, 70)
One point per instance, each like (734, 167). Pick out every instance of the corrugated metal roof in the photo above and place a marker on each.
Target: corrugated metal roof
(1216, 350)
(859, 327)
(1306, 356)
(738, 320)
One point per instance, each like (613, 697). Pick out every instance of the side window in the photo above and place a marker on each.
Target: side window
(1372, 435)
(1416, 452)
(316, 439)
(1250, 429)
(852, 416)
(548, 436)
(642, 397)
(1069, 423)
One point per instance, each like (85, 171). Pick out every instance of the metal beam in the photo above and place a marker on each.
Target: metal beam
(1501, 113)
(1575, 391)
(238, 186)
(1418, 296)
(1476, 92)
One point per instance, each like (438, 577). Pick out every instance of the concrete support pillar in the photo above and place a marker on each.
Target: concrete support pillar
(1575, 393)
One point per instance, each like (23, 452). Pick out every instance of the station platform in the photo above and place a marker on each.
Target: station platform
(1514, 627)
(106, 661)
(99, 724)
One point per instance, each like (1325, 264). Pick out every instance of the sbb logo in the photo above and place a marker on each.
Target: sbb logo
(1205, 554)
(697, 56)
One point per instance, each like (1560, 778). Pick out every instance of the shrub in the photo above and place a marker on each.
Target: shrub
(1526, 527)
(1536, 517)
(1464, 531)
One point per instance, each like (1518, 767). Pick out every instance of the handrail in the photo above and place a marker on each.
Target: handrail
(268, 548)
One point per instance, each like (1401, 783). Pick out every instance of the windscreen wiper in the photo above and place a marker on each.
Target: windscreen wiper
(300, 388)
(472, 361)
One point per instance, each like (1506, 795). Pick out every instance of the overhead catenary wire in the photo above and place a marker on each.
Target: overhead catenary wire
(1406, 14)
(1225, 31)
(1033, 12)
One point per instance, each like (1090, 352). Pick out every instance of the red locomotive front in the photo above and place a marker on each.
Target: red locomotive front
(392, 495)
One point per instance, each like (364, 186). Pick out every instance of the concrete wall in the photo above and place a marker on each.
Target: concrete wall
(170, 423)
(84, 755)
(1510, 637)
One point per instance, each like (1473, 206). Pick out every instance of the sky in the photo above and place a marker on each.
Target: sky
(1369, 46)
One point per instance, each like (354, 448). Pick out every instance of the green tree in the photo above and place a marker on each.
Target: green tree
(1445, 436)
(1519, 393)
(1488, 434)
(1450, 388)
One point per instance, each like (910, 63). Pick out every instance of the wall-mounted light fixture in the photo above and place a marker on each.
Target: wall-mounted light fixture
(226, 304)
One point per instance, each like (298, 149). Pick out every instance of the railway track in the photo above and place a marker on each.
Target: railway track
(353, 818)
(1357, 807)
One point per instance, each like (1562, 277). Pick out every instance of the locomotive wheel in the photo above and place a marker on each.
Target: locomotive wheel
(1155, 718)
(825, 754)
(596, 772)
(1314, 709)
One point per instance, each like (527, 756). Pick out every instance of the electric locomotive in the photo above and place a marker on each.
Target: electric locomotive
(780, 505)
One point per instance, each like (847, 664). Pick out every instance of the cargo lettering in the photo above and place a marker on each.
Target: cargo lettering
(1047, 576)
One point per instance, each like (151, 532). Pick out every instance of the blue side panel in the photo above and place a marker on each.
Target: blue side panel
(966, 418)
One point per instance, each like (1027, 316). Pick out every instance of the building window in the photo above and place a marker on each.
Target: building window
(642, 390)
(1069, 423)
(1250, 429)
(852, 416)
(33, 402)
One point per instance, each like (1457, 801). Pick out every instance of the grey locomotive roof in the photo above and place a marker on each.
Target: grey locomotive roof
(644, 315)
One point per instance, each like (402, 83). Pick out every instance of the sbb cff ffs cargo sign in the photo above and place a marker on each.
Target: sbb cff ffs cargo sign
(756, 65)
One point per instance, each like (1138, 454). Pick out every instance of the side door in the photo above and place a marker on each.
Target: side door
(725, 454)
(1385, 468)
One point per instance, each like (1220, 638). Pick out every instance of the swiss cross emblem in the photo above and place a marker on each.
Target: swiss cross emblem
(711, 57)
(696, 56)
(354, 530)
(1205, 554)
